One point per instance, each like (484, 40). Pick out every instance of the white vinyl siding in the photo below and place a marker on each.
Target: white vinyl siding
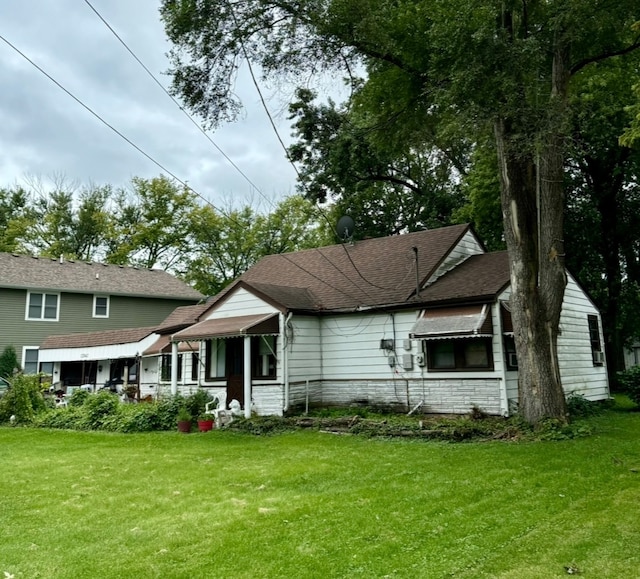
(241, 303)
(464, 249)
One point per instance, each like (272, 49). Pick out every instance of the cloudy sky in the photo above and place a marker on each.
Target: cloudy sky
(45, 133)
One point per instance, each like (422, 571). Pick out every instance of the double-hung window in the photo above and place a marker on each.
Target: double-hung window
(100, 306)
(30, 360)
(42, 306)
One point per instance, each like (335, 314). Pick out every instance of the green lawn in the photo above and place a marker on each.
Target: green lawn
(309, 504)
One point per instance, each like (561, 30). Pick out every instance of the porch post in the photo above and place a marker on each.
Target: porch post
(174, 368)
(247, 377)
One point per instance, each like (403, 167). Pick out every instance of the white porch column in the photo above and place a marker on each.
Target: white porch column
(247, 377)
(174, 368)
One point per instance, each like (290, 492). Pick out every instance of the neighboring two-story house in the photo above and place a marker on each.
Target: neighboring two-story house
(41, 297)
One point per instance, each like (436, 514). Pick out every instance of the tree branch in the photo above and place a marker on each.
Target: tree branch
(581, 64)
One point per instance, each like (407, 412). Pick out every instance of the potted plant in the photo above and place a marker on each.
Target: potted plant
(205, 422)
(184, 420)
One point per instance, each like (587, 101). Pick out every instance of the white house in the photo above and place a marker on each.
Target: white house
(419, 320)
(416, 320)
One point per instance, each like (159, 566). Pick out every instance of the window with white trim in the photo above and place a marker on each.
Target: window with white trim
(30, 360)
(100, 306)
(41, 306)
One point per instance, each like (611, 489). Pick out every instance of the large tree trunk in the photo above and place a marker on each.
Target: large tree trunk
(532, 195)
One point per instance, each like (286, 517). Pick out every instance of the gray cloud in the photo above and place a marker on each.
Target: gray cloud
(45, 132)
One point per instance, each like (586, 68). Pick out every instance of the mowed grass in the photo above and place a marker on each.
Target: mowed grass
(310, 504)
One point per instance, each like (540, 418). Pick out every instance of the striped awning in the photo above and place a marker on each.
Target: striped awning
(455, 322)
(163, 346)
(237, 326)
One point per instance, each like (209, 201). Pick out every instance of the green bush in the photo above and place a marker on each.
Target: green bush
(579, 407)
(8, 362)
(195, 403)
(104, 411)
(167, 409)
(24, 400)
(79, 397)
(99, 408)
(629, 381)
(72, 418)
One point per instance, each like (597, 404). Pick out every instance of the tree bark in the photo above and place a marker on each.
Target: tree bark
(532, 196)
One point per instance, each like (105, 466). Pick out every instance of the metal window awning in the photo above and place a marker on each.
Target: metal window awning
(456, 322)
(163, 346)
(237, 326)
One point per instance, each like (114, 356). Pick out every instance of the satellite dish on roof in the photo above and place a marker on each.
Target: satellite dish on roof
(345, 228)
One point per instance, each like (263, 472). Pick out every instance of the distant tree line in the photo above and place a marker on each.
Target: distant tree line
(154, 223)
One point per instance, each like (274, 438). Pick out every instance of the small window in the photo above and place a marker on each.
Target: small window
(464, 354)
(30, 363)
(42, 306)
(100, 306)
(195, 366)
(594, 337)
(46, 368)
(165, 368)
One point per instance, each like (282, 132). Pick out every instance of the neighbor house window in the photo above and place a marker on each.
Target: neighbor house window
(30, 361)
(263, 349)
(42, 306)
(594, 338)
(46, 368)
(165, 368)
(100, 306)
(215, 356)
(463, 354)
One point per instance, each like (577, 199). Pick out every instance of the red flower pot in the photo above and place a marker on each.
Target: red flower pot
(205, 425)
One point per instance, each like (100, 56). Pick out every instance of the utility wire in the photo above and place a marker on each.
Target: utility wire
(288, 156)
(116, 131)
(197, 125)
(157, 163)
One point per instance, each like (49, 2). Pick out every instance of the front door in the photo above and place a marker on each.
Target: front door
(234, 364)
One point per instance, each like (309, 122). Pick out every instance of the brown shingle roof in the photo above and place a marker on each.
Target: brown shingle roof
(181, 317)
(372, 272)
(104, 338)
(479, 278)
(23, 271)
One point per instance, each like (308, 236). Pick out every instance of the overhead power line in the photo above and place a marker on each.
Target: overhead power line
(150, 158)
(162, 87)
(116, 131)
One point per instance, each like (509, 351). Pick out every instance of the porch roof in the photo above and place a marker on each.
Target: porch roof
(163, 346)
(458, 322)
(253, 325)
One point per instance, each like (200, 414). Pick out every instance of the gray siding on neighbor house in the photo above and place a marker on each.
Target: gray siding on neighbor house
(75, 316)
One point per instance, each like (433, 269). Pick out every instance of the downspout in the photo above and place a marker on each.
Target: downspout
(285, 358)
(174, 368)
(247, 377)
(504, 398)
